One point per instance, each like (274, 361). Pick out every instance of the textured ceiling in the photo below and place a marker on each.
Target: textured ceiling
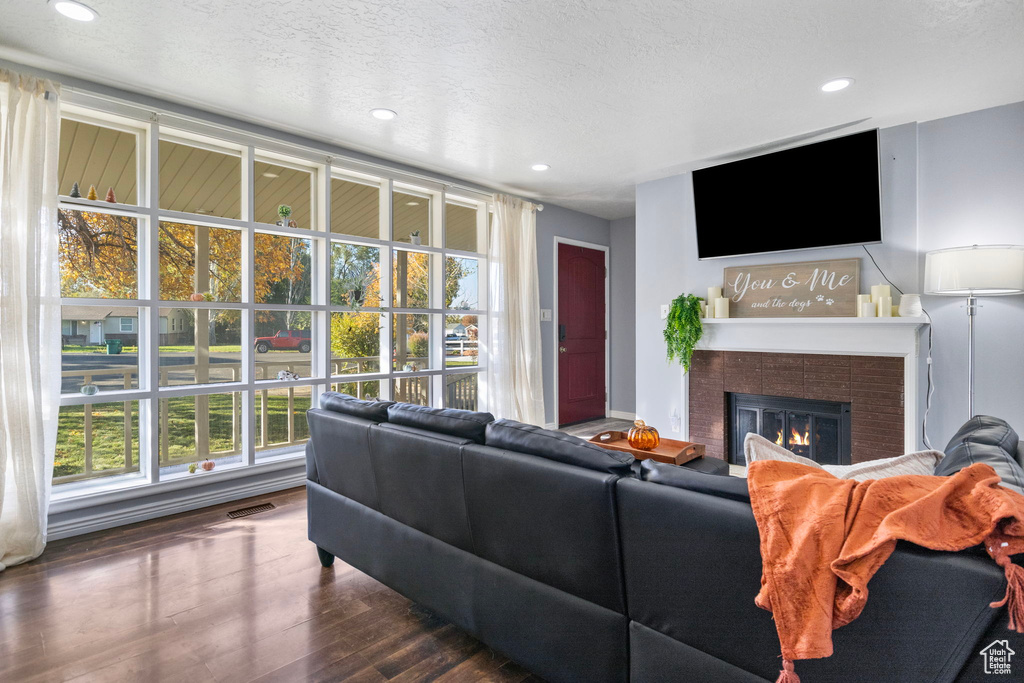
(609, 93)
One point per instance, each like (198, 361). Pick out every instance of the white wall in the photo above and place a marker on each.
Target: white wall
(667, 265)
(971, 186)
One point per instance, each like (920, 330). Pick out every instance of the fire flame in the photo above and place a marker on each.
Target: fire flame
(795, 438)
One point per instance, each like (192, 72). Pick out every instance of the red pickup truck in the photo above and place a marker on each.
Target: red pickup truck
(293, 340)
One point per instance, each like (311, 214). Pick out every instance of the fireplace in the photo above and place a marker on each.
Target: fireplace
(819, 430)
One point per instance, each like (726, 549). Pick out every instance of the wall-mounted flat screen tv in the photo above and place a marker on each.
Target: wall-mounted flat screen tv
(820, 195)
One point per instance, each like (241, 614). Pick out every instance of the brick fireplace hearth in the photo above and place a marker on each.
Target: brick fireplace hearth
(873, 385)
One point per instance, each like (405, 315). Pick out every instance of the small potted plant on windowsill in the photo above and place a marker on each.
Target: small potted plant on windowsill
(415, 237)
(284, 212)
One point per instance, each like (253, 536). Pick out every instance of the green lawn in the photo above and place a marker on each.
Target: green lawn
(108, 430)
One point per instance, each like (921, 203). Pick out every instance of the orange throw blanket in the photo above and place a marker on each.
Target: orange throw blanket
(823, 538)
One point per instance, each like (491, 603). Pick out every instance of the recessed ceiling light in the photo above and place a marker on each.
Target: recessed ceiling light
(268, 174)
(412, 203)
(837, 84)
(72, 9)
(540, 167)
(383, 114)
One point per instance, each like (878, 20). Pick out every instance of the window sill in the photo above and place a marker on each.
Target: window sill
(80, 496)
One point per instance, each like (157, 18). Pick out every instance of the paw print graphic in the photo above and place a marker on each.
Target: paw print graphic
(821, 298)
(829, 302)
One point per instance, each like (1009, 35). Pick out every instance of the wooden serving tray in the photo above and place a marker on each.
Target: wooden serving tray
(668, 451)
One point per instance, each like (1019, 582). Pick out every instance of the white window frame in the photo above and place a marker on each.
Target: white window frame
(151, 126)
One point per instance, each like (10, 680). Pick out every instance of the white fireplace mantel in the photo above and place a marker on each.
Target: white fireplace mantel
(840, 336)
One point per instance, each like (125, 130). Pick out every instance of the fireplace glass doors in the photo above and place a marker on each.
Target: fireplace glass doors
(819, 430)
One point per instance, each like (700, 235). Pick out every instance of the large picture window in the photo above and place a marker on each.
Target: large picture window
(212, 290)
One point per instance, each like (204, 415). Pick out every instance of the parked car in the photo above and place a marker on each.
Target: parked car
(294, 340)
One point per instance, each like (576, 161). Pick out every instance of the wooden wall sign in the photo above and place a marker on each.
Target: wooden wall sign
(811, 289)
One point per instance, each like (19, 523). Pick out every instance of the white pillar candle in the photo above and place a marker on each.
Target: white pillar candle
(714, 293)
(879, 291)
(861, 300)
(885, 307)
(895, 311)
(703, 309)
(721, 307)
(867, 310)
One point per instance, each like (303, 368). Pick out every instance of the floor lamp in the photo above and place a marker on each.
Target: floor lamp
(989, 270)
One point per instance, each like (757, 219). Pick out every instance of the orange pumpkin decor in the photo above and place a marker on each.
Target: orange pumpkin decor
(208, 465)
(197, 297)
(643, 437)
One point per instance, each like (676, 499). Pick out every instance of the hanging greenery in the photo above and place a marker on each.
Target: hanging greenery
(683, 329)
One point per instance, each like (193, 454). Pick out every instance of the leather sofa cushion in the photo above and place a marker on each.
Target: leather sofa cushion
(376, 411)
(438, 436)
(419, 481)
(338, 455)
(461, 423)
(734, 488)
(989, 440)
(552, 522)
(523, 438)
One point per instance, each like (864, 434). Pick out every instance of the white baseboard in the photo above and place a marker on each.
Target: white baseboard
(85, 520)
(621, 415)
(551, 425)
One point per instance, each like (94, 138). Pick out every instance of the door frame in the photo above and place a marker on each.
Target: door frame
(607, 320)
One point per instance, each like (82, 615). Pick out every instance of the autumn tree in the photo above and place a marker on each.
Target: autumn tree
(99, 259)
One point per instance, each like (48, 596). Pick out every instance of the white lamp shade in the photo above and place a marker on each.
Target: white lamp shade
(975, 271)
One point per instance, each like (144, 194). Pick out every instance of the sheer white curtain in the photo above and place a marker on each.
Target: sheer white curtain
(515, 387)
(29, 311)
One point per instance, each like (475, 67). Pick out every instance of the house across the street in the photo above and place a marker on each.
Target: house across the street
(96, 324)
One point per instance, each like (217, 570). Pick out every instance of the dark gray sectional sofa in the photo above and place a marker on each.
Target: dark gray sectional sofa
(584, 565)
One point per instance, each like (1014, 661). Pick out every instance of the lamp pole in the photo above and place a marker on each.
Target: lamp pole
(972, 309)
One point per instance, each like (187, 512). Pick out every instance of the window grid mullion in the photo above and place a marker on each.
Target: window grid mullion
(248, 421)
(149, 395)
(149, 428)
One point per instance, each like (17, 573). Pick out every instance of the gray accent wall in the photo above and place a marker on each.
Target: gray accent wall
(555, 221)
(948, 182)
(623, 316)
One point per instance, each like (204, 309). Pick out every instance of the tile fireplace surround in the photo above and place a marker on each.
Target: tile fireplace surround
(873, 385)
(873, 365)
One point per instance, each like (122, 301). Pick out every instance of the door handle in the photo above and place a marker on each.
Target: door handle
(561, 349)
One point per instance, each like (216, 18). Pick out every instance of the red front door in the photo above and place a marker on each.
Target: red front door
(580, 334)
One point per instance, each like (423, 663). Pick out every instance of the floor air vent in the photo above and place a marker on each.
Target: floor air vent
(251, 510)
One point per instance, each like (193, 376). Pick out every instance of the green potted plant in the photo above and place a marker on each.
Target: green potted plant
(284, 212)
(683, 329)
(414, 237)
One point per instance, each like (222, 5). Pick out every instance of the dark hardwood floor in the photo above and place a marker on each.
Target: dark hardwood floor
(200, 597)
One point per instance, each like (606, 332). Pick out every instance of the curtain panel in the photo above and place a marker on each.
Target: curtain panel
(29, 311)
(515, 388)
